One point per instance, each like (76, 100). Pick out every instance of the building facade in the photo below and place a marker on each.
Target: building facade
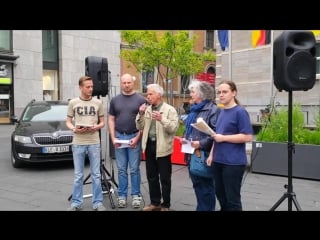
(46, 64)
(251, 68)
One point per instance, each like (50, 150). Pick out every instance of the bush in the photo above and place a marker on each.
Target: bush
(275, 128)
(181, 129)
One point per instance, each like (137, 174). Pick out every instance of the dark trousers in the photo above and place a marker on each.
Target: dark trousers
(228, 180)
(155, 168)
(205, 192)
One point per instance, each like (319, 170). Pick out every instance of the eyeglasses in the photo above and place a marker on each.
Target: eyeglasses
(222, 92)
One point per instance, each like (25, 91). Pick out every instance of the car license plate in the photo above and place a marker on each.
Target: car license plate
(58, 149)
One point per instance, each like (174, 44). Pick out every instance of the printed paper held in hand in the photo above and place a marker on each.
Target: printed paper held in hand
(124, 143)
(202, 126)
(186, 146)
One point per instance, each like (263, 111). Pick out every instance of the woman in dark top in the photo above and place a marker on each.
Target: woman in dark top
(202, 107)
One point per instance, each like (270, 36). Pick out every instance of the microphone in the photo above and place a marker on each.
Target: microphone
(154, 108)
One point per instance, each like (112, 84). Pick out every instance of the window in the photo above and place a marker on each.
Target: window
(50, 84)
(50, 64)
(50, 49)
(185, 81)
(147, 78)
(209, 39)
(5, 41)
(47, 112)
(318, 60)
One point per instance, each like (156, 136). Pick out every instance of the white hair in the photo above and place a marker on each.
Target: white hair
(156, 87)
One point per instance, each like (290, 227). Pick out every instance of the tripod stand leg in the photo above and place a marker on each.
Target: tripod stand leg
(111, 178)
(284, 196)
(106, 186)
(294, 199)
(291, 197)
(84, 182)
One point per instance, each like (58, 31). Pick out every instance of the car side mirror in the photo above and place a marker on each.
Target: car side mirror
(14, 119)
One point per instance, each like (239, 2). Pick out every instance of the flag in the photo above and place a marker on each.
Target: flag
(316, 32)
(223, 39)
(260, 37)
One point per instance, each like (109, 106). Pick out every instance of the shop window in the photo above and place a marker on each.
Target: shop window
(49, 85)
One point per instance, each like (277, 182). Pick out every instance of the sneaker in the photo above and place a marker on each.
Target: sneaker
(122, 203)
(74, 208)
(100, 208)
(136, 201)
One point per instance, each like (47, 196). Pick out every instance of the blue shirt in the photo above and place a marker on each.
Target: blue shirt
(232, 121)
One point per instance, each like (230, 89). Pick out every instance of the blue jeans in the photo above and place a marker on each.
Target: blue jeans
(128, 157)
(228, 180)
(205, 192)
(79, 154)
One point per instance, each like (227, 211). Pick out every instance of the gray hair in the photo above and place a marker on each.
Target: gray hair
(156, 87)
(204, 89)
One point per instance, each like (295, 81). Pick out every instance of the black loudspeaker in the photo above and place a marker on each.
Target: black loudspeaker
(97, 69)
(294, 61)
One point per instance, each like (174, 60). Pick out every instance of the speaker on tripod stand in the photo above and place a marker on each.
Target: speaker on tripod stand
(294, 69)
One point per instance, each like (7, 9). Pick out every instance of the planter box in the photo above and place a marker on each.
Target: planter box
(272, 158)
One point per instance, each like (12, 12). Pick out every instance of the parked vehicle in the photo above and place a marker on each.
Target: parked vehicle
(41, 135)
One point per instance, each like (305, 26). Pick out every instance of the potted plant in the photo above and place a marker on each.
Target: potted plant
(270, 150)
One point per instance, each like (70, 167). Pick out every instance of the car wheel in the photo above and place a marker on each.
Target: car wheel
(16, 163)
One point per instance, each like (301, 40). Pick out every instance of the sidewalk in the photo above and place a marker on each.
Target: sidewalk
(259, 192)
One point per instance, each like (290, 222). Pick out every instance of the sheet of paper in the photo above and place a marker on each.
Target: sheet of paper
(202, 126)
(124, 143)
(186, 147)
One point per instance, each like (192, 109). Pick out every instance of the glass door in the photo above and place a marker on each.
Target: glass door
(4, 104)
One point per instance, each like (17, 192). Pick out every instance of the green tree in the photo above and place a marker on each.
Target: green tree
(169, 52)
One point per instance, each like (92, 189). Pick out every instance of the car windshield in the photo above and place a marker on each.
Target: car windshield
(45, 112)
